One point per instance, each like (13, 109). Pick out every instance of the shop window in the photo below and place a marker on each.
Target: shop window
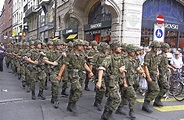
(98, 14)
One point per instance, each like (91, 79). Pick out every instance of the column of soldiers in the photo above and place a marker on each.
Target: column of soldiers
(114, 68)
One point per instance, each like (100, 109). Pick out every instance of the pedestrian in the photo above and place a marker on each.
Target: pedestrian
(176, 61)
(2, 54)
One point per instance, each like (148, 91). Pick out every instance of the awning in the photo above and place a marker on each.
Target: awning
(72, 36)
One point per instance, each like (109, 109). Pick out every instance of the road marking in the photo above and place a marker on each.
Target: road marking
(169, 100)
(170, 108)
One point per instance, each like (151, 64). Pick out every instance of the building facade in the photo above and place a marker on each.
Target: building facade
(18, 16)
(6, 19)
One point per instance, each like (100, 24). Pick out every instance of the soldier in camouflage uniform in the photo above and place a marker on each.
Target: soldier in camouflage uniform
(55, 64)
(36, 68)
(92, 52)
(163, 73)
(96, 62)
(75, 62)
(151, 70)
(129, 94)
(115, 68)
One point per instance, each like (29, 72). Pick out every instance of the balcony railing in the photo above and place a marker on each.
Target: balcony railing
(31, 10)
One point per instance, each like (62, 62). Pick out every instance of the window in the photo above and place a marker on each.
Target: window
(98, 14)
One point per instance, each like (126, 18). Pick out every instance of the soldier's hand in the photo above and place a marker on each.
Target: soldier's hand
(64, 54)
(90, 75)
(149, 80)
(157, 75)
(36, 62)
(55, 63)
(125, 85)
(98, 85)
(42, 53)
(122, 69)
(58, 78)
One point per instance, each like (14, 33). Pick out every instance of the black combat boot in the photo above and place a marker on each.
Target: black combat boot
(97, 104)
(28, 89)
(40, 94)
(132, 114)
(69, 107)
(158, 102)
(23, 85)
(120, 111)
(64, 93)
(19, 76)
(86, 88)
(74, 108)
(33, 95)
(107, 115)
(146, 107)
(52, 100)
(56, 103)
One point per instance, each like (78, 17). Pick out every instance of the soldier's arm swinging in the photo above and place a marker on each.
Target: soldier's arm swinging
(99, 83)
(88, 69)
(61, 71)
(147, 73)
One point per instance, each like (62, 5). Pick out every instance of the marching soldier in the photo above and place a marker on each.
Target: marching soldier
(75, 62)
(151, 71)
(115, 69)
(95, 64)
(163, 73)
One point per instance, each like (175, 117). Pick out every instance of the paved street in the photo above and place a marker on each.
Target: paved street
(16, 104)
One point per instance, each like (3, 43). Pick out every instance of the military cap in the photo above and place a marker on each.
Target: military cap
(137, 48)
(50, 42)
(155, 44)
(37, 42)
(70, 44)
(31, 43)
(165, 46)
(102, 46)
(130, 48)
(115, 44)
(44, 44)
(26, 43)
(78, 42)
(86, 43)
(94, 43)
(59, 42)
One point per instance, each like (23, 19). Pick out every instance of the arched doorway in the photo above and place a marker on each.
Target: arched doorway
(99, 24)
(173, 13)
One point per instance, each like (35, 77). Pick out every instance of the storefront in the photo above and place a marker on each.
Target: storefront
(99, 24)
(173, 12)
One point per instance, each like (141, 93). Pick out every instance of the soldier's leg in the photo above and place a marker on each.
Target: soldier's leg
(33, 82)
(131, 95)
(55, 89)
(42, 78)
(124, 100)
(99, 96)
(75, 93)
(64, 83)
(151, 94)
(113, 102)
(23, 77)
(164, 87)
(86, 82)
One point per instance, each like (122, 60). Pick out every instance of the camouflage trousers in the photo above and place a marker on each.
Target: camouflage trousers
(8, 61)
(76, 90)
(163, 85)
(41, 76)
(100, 92)
(128, 94)
(65, 80)
(82, 75)
(23, 73)
(114, 98)
(55, 85)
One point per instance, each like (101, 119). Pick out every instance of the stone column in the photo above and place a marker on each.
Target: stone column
(132, 20)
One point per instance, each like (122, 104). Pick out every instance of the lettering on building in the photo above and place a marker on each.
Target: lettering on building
(98, 25)
(69, 31)
(171, 26)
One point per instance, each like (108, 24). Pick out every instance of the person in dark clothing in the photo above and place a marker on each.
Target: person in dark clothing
(2, 50)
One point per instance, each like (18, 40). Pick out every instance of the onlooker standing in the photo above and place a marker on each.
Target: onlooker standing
(177, 62)
(2, 50)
